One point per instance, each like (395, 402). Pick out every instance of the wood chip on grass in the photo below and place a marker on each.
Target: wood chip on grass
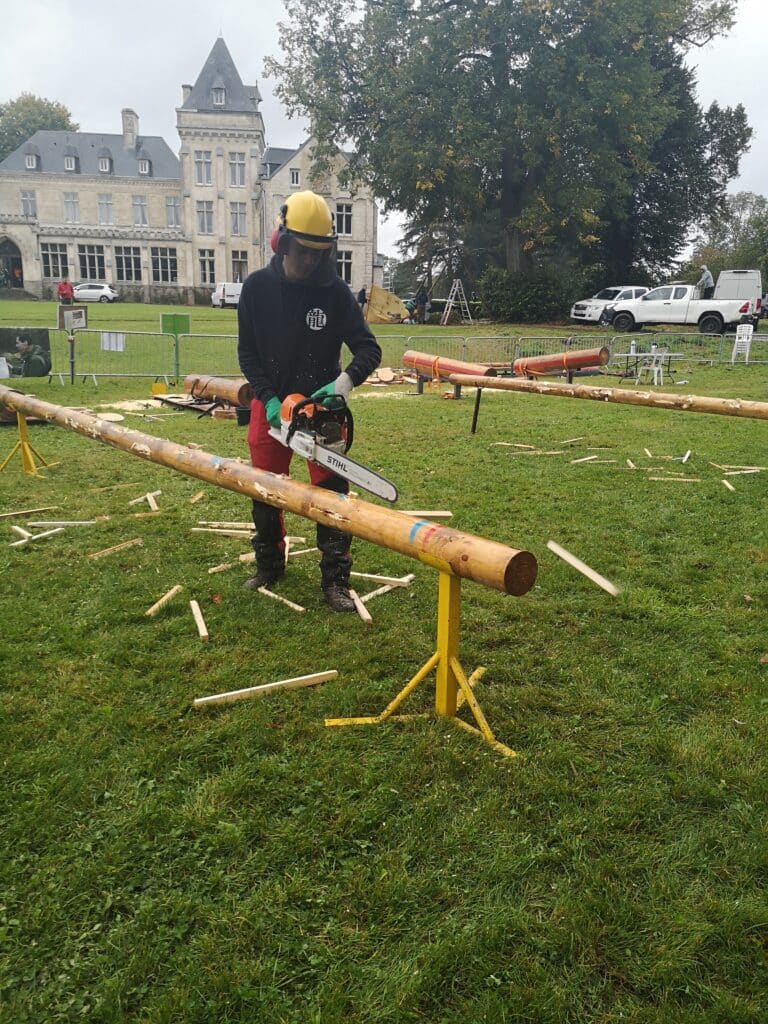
(260, 691)
(583, 568)
(116, 547)
(162, 601)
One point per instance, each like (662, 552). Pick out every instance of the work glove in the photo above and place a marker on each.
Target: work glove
(341, 386)
(272, 409)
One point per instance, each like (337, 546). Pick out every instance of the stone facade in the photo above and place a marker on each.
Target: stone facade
(123, 209)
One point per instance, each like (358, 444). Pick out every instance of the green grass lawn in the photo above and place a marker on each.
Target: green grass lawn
(246, 864)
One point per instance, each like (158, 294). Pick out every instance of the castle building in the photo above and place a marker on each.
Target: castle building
(125, 210)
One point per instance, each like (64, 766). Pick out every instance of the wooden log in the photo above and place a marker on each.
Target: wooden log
(281, 599)
(583, 568)
(510, 570)
(116, 547)
(260, 691)
(443, 366)
(237, 392)
(362, 611)
(168, 596)
(654, 399)
(202, 629)
(560, 362)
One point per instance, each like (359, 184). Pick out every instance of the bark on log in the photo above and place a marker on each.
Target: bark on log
(441, 366)
(237, 392)
(460, 554)
(656, 399)
(568, 360)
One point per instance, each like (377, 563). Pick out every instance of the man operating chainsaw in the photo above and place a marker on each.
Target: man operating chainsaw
(293, 317)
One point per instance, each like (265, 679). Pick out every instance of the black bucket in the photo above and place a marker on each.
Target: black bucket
(243, 413)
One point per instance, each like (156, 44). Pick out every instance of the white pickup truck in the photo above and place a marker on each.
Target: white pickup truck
(680, 304)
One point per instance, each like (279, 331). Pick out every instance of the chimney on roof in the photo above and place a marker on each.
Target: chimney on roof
(186, 91)
(130, 128)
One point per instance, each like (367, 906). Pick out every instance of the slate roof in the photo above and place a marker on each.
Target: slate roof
(275, 158)
(219, 72)
(52, 146)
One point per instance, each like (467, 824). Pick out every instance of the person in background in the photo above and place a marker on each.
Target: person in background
(362, 297)
(420, 303)
(706, 283)
(34, 360)
(293, 317)
(65, 292)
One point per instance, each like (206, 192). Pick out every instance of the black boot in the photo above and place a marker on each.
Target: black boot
(335, 565)
(268, 545)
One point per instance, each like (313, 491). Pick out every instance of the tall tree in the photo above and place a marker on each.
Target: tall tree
(541, 114)
(28, 114)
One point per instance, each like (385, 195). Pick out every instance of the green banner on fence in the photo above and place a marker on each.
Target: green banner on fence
(175, 323)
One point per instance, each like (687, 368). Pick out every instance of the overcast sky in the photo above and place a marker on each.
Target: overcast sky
(98, 57)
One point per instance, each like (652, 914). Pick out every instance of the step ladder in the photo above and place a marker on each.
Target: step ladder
(456, 297)
(743, 342)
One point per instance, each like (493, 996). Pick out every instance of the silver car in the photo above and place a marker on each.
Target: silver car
(94, 291)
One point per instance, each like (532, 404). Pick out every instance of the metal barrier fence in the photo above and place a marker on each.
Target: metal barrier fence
(151, 354)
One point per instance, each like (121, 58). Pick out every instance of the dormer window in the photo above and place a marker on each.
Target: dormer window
(69, 163)
(143, 166)
(31, 161)
(105, 165)
(219, 96)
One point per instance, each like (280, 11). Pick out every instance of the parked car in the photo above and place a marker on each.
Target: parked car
(93, 291)
(226, 293)
(589, 310)
(679, 303)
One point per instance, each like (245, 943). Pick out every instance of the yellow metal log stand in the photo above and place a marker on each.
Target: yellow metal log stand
(452, 687)
(28, 453)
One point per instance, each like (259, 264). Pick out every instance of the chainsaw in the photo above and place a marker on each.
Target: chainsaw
(323, 434)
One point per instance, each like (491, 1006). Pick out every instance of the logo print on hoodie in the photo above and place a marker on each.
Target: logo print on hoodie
(316, 319)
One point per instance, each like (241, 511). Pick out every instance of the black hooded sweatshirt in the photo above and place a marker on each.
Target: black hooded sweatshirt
(290, 333)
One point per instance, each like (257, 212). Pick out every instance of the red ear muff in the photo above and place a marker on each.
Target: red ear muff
(274, 239)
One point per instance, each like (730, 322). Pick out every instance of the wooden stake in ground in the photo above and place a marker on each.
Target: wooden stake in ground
(202, 629)
(117, 547)
(259, 691)
(163, 600)
(583, 568)
(362, 611)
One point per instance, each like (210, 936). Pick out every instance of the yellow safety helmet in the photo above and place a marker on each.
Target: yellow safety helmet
(306, 217)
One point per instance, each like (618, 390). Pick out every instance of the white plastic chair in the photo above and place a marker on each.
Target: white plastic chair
(743, 342)
(653, 366)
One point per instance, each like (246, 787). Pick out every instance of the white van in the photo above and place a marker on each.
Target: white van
(741, 284)
(226, 293)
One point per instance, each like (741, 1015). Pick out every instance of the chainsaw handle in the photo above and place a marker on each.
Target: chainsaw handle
(339, 405)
